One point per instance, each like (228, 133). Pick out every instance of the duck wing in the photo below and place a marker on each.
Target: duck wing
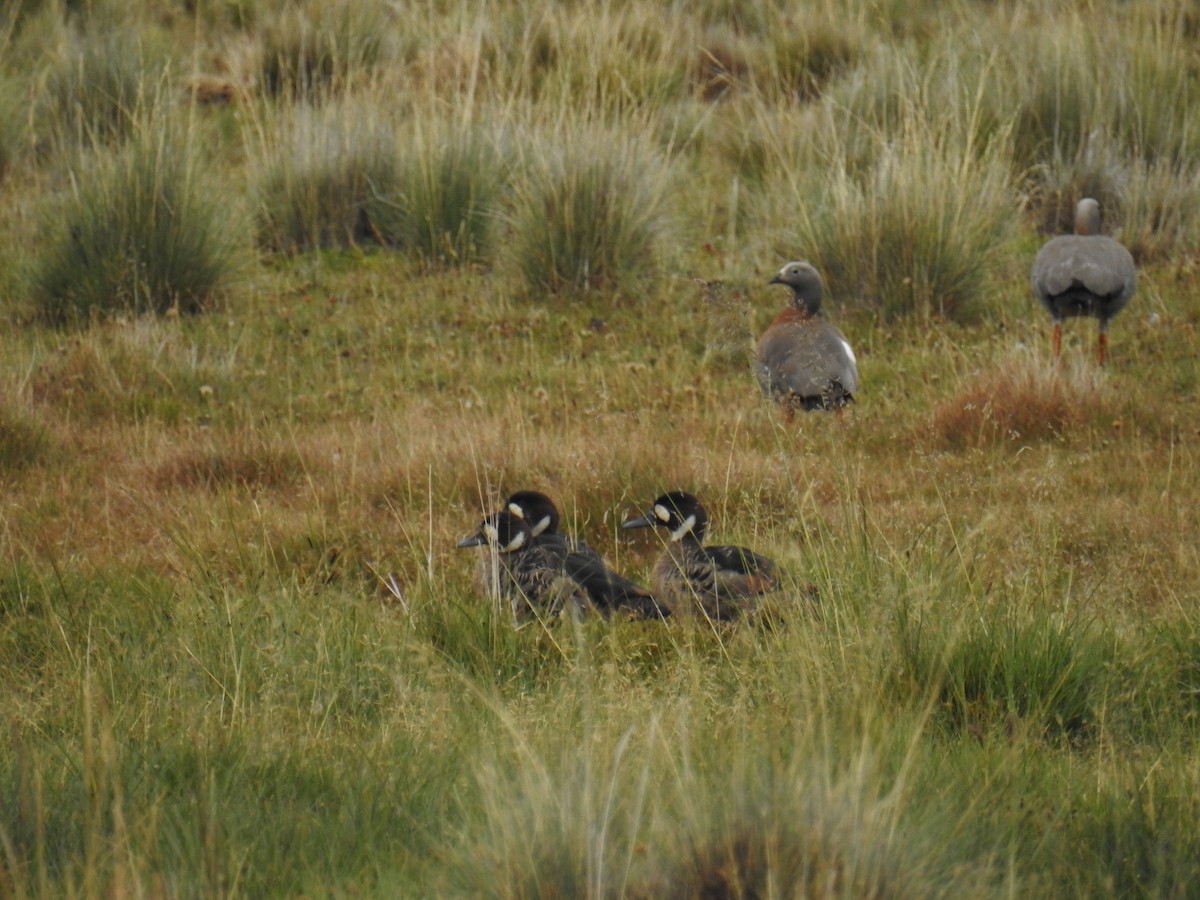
(741, 572)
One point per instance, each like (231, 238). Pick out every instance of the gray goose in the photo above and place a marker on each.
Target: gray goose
(1083, 274)
(801, 361)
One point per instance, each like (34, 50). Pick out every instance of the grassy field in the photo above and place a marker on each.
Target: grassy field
(294, 293)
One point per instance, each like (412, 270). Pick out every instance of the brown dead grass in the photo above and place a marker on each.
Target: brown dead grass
(1023, 399)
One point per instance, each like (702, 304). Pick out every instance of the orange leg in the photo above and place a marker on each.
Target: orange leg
(1057, 339)
(1103, 347)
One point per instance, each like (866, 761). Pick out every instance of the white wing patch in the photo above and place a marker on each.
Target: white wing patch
(850, 353)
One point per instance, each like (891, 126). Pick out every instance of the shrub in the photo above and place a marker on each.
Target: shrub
(589, 212)
(142, 230)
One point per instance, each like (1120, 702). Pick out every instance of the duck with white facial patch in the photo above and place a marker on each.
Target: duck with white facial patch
(610, 592)
(720, 583)
(530, 577)
(801, 361)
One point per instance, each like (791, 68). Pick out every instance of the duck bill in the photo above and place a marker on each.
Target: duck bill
(475, 540)
(776, 280)
(640, 522)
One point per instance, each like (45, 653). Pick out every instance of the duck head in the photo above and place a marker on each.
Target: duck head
(678, 512)
(503, 531)
(535, 508)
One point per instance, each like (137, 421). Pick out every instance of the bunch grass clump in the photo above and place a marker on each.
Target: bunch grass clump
(141, 229)
(1074, 83)
(443, 197)
(1004, 670)
(324, 46)
(100, 88)
(589, 211)
(320, 179)
(618, 59)
(892, 239)
(804, 60)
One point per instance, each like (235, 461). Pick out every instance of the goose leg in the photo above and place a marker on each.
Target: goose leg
(1057, 339)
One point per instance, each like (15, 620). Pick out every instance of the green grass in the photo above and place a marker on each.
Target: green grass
(445, 257)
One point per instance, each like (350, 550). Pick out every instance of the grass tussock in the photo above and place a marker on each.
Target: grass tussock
(320, 178)
(825, 843)
(590, 211)
(888, 238)
(1062, 105)
(1004, 673)
(142, 229)
(441, 203)
(1022, 399)
(99, 89)
(324, 46)
(12, 127)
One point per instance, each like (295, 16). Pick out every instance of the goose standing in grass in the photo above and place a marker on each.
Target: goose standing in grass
(530, 577)
(803, 362)
(720, 583)
(609, 591)
(1084, 274)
